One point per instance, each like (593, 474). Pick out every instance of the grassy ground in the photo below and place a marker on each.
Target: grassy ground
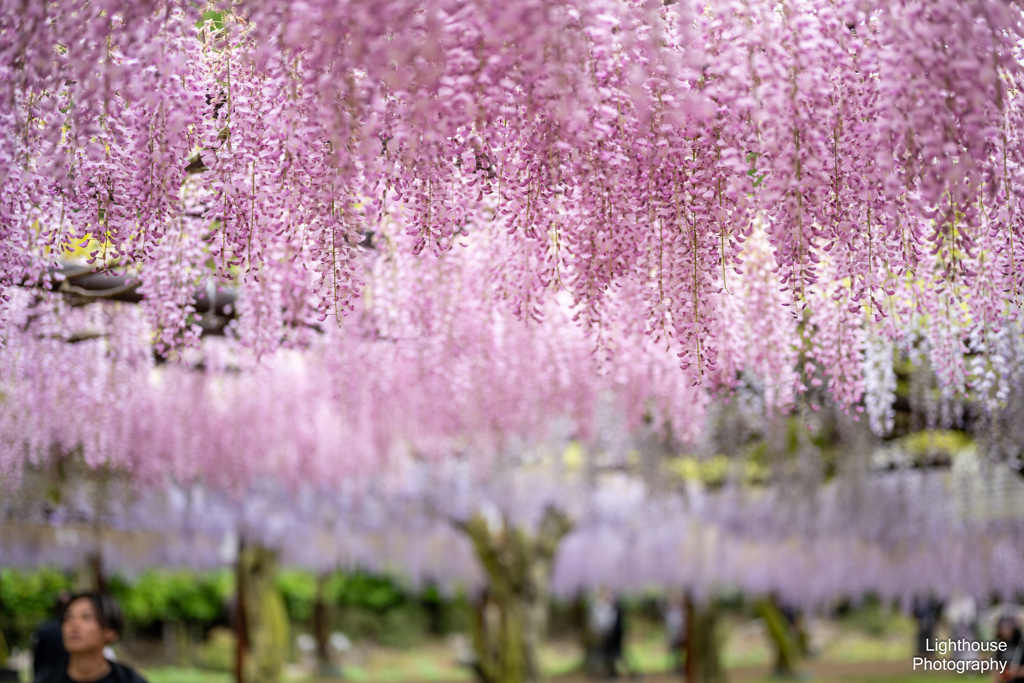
(845, 653)
(845, 673)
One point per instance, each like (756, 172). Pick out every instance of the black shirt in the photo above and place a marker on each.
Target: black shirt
(119, 673)
(1012, 655)
(48, 649)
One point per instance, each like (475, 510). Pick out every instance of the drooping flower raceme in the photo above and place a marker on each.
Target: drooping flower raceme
(616, 153)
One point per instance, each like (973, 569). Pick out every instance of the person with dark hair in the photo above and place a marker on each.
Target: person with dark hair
(616, 640)
(47, 642)
(601, 621)
(927, 611)
(1008, 631)
(675, 631)
(607, 622)
(89, 623)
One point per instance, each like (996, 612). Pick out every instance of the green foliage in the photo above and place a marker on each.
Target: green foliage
(716, 470)
(365, 591)
(157, 595)
(871, 616)
(163, 595)
(931, 442)
(365, 605)
(28, 600)
(444, 614)
(218, 651)
(361, 605)
(403, 626)
(179, 675)
(754, 172)
(373, 607)
(211, 19)
(298, 588)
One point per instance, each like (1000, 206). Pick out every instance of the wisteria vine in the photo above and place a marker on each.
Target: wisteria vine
(615, 156)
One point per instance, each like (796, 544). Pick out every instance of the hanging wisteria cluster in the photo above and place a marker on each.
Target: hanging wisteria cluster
(773, 187)
(82, 384)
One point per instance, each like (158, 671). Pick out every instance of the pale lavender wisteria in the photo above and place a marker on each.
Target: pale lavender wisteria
(895, 534)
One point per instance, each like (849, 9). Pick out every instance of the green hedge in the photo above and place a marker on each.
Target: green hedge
(28, 599)
(161, 595)
(364, 606)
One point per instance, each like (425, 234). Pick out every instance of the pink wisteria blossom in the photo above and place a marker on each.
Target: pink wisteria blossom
(847, 170)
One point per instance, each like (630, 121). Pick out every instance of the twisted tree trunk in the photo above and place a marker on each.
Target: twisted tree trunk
(241, 630)
(703, 661)
(321, 626)
(510, 622)
(787, 650)
(4, 652)
(262, 618)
